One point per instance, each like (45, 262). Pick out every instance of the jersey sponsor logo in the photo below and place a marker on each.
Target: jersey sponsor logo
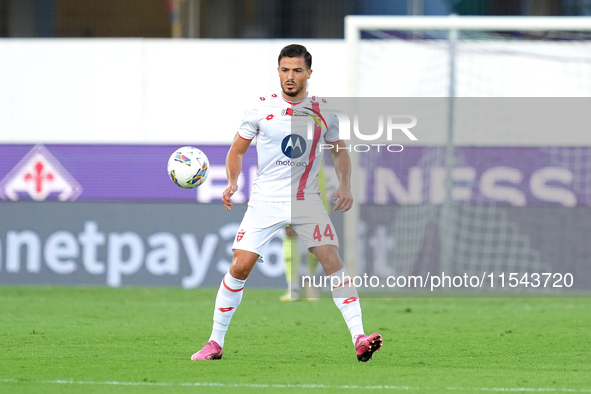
(39, 176)
(294, 112)
(293, 146)
(290, 163)
(314, 114)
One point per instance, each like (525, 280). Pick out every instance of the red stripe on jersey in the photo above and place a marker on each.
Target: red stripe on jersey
(311, 158)
(246, 139)
(232, 290)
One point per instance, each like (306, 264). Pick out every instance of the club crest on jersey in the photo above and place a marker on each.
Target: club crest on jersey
(239, 235)
(293, 146)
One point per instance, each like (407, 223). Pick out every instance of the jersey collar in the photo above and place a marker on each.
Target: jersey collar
(294, 102)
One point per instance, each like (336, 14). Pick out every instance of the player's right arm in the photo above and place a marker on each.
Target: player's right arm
(234, 167)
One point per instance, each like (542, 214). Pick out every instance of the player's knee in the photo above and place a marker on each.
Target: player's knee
(242, 263)
(239, 271)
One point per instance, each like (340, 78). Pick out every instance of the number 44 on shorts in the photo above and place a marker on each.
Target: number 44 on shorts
(327, 233)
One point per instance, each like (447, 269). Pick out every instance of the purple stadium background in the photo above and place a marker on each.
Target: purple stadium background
(486, 174)
(529, 204)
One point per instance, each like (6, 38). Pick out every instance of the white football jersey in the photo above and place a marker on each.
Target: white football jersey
(288, 150)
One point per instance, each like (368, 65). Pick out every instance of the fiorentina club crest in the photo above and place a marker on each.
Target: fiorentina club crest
(39, 176)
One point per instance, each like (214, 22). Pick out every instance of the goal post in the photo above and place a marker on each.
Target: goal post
(355, 24)
(573, 79)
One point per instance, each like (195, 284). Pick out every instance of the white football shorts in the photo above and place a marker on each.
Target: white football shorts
(263, 219)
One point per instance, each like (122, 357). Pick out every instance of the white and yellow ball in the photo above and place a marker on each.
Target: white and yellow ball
(188, 167)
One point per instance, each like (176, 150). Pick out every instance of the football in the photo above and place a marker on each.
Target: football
(188, 167)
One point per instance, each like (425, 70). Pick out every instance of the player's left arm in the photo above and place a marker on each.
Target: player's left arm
(342, 166)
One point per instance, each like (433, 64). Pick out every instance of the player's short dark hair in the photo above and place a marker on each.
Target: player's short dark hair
(295, 50)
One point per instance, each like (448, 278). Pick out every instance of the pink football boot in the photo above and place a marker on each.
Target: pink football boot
(211, 351)
(365, 346)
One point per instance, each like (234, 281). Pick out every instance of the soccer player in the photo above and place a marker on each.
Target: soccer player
(285, 192)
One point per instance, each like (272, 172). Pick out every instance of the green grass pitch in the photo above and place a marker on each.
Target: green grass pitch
(140, 340)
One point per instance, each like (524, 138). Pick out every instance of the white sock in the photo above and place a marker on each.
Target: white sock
(347, 300)
(226, 302)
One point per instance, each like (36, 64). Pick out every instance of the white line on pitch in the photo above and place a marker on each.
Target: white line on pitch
(304, 386)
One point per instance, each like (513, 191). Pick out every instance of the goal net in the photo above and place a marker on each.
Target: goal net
(499, 181)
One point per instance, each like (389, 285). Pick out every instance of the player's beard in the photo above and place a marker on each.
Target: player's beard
(294, 92)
